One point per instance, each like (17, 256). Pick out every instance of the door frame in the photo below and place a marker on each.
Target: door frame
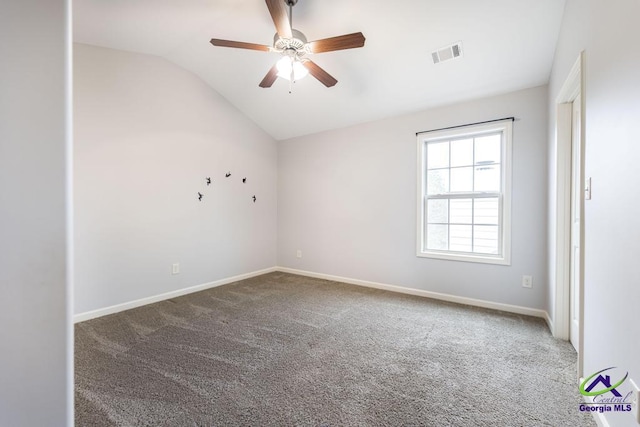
(571, 89)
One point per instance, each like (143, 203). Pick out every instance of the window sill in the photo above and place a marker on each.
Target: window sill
(465, 258)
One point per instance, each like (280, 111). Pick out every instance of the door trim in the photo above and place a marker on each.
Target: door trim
(571, 89)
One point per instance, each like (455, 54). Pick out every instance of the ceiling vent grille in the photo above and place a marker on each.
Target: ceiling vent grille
(447, 53)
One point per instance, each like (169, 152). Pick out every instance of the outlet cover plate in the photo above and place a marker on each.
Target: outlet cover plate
(175, 268)
(527, 281)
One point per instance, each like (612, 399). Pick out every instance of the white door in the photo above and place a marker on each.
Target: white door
(577, 195)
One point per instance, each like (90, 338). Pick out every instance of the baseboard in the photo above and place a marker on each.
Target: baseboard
(422, 293)
(81, 317)
(598, 417)
(550, 324)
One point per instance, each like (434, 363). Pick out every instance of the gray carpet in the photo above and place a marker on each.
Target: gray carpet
(285, 350)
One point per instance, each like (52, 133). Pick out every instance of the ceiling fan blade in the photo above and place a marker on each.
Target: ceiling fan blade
(278, 12)
(270, 78)
(241, 45)
(348, 41)
(320, 74)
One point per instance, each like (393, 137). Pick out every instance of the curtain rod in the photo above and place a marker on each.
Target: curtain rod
(468, 124)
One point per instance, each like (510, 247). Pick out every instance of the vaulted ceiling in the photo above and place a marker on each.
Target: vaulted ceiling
(507, 45)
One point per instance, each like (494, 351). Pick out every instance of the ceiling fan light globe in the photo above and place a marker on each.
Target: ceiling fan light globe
(299, 70)
(284, 68)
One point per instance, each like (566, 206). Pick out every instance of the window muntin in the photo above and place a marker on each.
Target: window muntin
(464, 193)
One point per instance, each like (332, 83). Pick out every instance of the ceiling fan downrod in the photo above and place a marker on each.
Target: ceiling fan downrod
(291, 3)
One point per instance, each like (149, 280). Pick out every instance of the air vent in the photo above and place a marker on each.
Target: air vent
(446, 53)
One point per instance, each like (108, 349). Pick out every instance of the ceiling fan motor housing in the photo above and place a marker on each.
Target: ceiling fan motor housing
(297, 44)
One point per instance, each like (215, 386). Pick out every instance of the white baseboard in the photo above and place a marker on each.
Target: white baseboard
(598, 417)
(422, 293)
(81, 317)
(550, 324)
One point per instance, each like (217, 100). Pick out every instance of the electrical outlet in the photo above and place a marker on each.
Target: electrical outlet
(635, 400)
(299, 253)
(527, 281)
(175, 268)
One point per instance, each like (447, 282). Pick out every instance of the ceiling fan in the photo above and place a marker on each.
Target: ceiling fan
(294, 48)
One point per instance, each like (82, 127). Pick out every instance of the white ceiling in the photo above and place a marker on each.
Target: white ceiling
(507, 44)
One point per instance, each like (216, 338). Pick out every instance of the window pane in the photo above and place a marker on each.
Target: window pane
(437, 211)
(438, 181)
(462, 152)
(461, 211)
(462, 179)
(486, 211)
(437, 237)
(487, 178)
(438, 155)
(485, 239)
(460, 238)
(488, 149)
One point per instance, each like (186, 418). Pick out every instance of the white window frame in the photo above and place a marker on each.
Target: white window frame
(504, 233)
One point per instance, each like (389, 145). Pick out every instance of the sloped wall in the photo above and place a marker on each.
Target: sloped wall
(147, 135)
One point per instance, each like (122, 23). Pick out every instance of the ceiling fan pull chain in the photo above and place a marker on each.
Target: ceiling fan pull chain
(291, 78)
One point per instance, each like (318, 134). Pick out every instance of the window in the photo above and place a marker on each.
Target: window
(464, 183)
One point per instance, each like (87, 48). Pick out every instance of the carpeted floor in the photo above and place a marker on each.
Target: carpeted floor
(285, 350)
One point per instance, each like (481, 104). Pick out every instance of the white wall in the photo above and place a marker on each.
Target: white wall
(571, 41)
(35, 329)
(147, 133)
(347, 199)
(608, 33)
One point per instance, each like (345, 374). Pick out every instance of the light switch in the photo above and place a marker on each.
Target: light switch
(587, 189)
